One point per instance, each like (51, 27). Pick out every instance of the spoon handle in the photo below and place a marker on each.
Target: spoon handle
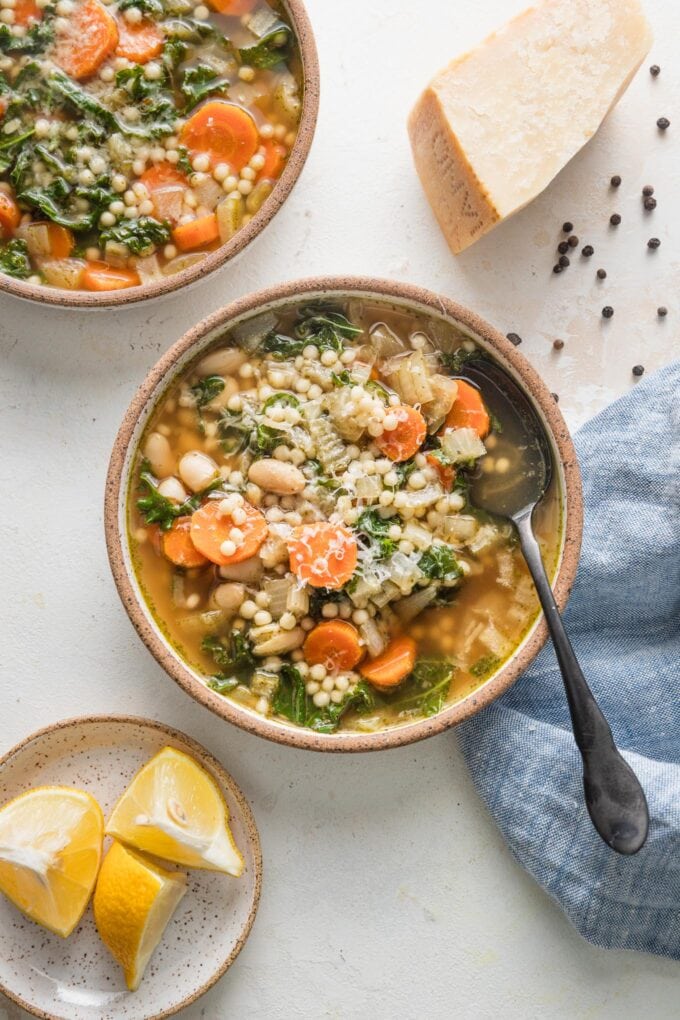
(616, 802)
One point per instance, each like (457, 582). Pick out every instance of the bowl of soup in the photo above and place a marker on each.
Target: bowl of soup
(145, 143)
(290, 523)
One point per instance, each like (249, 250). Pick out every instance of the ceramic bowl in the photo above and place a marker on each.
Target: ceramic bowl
(77, 978)
(299, 20)
(188, 348)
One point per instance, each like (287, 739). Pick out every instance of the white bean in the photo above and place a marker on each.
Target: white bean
(249, 571)
(226, 361)
(229, 597)
(197, 470)
(159, 455)
(277, 476)
(173, 489)
(285, 641)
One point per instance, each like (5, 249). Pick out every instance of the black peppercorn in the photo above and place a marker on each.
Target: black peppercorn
(556, 397)
(647, 190)
(557, 268)
(588, 250)
(567, 227)
(615, 181)
(663, 123)
(558, 344)
(654, 243)
(662, 311)
(563, 247)
(563, 261)
(602, 274)
(649, 204)
(607, 312)
(572, 241)
(638, 370)
(515, 339)
(655, 70)
(615, 219)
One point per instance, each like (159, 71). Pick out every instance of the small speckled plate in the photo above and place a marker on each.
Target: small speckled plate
(76, 978)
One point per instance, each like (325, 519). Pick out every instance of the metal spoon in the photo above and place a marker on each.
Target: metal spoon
(615, 800)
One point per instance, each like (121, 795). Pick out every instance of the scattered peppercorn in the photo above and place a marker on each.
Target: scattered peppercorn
(649, 204)
(615, 181)
(515, 339)
(655, 70)
(563, 247)
(563, 261)
(588, 250)
(607, 312)
(556, 397)
(662, 311)
(572, 241)
(638, 370)
(647, 190)
(602, 274)
(654, 243)
(663, 123)
(567, 227)
(557, 268)
(558, 344)
(615, 219)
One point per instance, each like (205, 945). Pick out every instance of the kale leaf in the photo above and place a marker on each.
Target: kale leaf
(376, 528)
(204, 392)
(36, 40)
(153, 99)
(264, 440)
(271, 49)
(327, 720)
(141, 236)
(150, 8)
(292, 701)
(157, 509)
(342, 378)
(200, 82)
(235, 661)
(325, 330)
(456, 360)
(55, 202)
(426, 689)
(64, 91)
(14, 260)
(234, 432)
(280, 400)
(439, 563)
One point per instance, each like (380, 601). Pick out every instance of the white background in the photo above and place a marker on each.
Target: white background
(388, 892)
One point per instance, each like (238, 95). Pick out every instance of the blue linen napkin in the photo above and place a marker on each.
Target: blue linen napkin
(624, 621)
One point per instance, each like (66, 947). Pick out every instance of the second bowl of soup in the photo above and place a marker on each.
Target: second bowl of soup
(290, 523)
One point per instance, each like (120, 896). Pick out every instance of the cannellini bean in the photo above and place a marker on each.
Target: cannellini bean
(277, 476)
(249, 571)
(173, 489)
(229, 597)
(226, 361)
(159, 455)
(197, 470)
(285, 641)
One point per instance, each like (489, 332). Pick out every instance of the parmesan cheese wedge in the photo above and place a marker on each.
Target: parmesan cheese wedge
(494, 128)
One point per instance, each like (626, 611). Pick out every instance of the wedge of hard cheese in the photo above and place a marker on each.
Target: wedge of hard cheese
(493, 129)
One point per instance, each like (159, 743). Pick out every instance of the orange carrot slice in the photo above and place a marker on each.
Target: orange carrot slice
(335, 644)
(210, 529)
(140, 43)
(468, 411)
(25, 12)
(61, 241)
(275, 158)
(197, 233)
(91, 36)
(178, 546)
(101, 276)
(224, 132)
(393, 666)
(404, 441)
(322, 554)
(447, 473)
(162, 175)
(233, 7)
(10, 215)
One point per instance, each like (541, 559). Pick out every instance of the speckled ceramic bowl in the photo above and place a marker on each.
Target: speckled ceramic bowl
(172, 364)
(302, 28)
(76, 978)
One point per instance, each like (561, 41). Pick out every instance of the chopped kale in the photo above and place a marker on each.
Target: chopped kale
(141, 236)
(156, 509)
(376, 528)
(342, 378)
(153, 99)
(264, 440)
(456, 360)
(326, 331)
(184, 163)
(36, 39)
(318, 597)
(14, 260)
(204, 392)
(327, 720)
(292, 701)
(426, 689)
(485, 667)
(234, 432)
(439, 563)
(150, 8)
(280, 400)
(271, 49)
(235, 661)
(66, 92)
(200, 82)
(174, 51)
(55, 202)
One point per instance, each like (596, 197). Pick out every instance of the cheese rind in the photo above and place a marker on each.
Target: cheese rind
(495, 127)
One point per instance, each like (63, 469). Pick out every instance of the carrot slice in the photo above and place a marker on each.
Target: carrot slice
(468, 411)
(61, 241)
(91, 36)
(197, 233)
(178, 546)
(162, 175)
(101, 276)
(393, 666)
(334, 644)
(140, 43)
(10, 215)
(224, 132)
(274, 160)
(447, 473)
(233, 7)
(401, 443)
(210, 528)
(26, 11)
(322, 554)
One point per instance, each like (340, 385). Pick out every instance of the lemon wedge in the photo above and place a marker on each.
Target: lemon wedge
(174, 809)
(50, 851)
(133, 903)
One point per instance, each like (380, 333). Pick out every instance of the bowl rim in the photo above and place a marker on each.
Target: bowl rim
(212, 765)
(571, 505)
(226, 253)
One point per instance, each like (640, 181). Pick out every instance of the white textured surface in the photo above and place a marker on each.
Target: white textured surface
(387, 889)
